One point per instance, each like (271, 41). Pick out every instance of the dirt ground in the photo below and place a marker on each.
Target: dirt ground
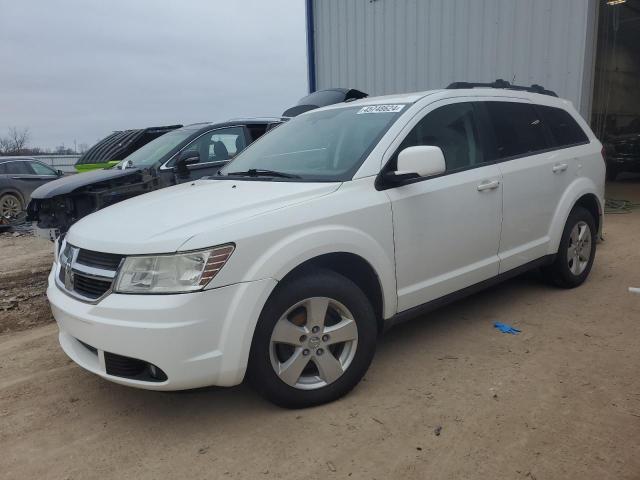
(447, 397)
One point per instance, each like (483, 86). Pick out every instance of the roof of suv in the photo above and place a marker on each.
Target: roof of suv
(457, 92)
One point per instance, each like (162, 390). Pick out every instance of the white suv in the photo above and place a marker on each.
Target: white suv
(341, 222)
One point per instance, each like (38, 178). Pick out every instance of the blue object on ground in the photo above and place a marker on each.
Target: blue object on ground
(504, 328)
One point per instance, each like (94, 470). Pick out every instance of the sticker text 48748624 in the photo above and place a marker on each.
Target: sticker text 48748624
(381, 109)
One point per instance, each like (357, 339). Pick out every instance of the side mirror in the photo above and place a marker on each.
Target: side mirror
(188, 157)
(60, 173)
(412, 163)
(424, 161)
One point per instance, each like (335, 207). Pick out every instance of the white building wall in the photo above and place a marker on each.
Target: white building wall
(389, 46)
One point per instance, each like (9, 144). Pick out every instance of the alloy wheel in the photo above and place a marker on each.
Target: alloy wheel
(579, 250)
(10, 206)
(313, 343)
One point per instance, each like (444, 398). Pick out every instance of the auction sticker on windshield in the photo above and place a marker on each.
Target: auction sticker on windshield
(381, 109)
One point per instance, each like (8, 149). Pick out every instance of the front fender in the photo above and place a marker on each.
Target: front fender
(579, 187)
(293, 250)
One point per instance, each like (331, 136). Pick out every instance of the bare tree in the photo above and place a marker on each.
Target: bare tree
(15, 142)
(4, 146)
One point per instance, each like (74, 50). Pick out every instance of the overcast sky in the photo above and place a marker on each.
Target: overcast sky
(79, 69)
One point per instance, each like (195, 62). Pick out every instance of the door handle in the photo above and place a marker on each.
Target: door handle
(559, 167)
(488, 185)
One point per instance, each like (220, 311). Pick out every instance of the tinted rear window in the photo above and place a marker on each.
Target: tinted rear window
(564, 128)
(19, 168)
(518, 129)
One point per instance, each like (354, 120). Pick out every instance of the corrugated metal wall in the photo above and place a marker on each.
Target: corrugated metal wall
(387, 46)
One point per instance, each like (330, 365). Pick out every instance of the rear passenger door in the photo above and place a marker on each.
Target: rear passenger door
(534, 174)
(446, 228)
(25, 178)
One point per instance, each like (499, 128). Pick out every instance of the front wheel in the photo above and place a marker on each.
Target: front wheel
(314, 340)
(576, 252)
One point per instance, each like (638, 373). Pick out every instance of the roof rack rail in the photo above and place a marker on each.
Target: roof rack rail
(499, 83)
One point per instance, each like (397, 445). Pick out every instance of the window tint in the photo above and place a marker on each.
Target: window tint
(453, 129)
(518, 129)
(219, 145)
(564, 128)
(41, 169)
(19, 168)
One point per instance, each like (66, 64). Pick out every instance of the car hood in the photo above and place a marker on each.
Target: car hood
(163, 220)
(65, 185)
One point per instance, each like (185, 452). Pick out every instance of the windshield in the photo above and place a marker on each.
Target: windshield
(156, 149)
(325, 145)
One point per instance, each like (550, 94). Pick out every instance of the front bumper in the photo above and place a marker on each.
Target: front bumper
(196, 339)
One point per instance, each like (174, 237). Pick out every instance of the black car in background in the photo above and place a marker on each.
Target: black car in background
(623, 150)
(183, 154)
(19, 177)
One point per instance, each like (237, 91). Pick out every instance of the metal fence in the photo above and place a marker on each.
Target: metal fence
(60, 162)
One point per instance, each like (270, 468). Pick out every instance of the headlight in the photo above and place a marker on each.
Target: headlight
(176, 273)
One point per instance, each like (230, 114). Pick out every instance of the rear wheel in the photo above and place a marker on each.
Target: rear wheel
(10, 206)
(314, 341)
(576, 252)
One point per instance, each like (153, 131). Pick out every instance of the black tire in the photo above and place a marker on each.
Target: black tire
(559, 273)
(312, 283)
(612, 173)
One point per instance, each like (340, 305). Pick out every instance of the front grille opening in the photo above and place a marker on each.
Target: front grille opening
(90, 287)
(132, 368)
(108, 261)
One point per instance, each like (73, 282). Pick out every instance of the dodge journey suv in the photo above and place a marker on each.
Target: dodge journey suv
(286, 265)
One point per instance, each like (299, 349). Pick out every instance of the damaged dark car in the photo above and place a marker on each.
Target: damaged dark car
(183, 154)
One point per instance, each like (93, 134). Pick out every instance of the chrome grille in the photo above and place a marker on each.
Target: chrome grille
(85, 274)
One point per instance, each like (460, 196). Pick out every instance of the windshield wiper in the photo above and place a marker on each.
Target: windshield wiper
(255, 172)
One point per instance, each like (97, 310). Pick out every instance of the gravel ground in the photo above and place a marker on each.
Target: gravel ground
(446, 397)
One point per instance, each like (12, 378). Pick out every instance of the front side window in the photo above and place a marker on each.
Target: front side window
(322, 145)
(41, 169)
(564, 128)
(217, 146)
(453, 128)
(518, 129)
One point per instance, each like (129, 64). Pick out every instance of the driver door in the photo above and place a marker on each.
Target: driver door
(447, 227)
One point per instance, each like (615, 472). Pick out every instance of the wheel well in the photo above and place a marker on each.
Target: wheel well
(590, 203)
(356, 269)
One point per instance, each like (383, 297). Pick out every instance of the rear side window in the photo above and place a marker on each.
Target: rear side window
(19, 168)
(564, 128)
(518, 129)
